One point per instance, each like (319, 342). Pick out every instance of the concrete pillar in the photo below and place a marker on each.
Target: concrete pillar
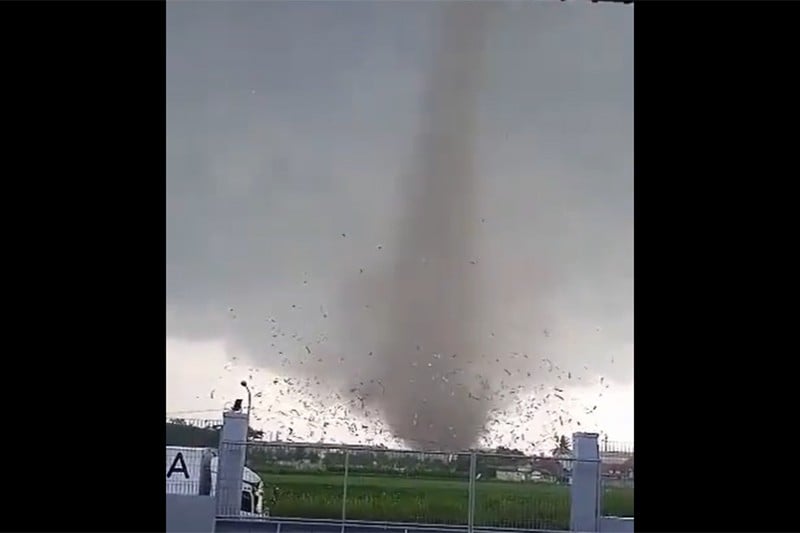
(230, 468)
(585, 488)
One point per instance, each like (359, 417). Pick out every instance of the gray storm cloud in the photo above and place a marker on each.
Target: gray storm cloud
(426, 205)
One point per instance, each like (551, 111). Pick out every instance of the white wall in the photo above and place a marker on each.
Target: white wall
(610, 524)
(190, 514)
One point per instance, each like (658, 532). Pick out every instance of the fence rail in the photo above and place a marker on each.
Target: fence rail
(617, 477)
(202, 423)
(471, 489)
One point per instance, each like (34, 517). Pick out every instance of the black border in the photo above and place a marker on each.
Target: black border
(85, 142)
(84, 117)
(714, 114)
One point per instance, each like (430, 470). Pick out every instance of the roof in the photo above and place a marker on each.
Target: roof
(249, 476)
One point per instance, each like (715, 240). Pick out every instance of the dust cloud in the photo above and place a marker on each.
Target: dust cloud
(425, 363)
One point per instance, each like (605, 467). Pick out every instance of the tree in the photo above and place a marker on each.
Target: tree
(563, 447)
(312, 456)
(507, 457)
(179, 432)
(254, 434)
(509, 451)
(462, 463)
(298, 453)
(183, 434)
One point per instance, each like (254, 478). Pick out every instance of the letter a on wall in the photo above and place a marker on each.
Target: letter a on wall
(178, 465)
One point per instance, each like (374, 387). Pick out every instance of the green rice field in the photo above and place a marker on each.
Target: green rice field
(425, 500)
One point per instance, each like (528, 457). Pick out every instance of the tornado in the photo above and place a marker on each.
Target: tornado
(426, 359)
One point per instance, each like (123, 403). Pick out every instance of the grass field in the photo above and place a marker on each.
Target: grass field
(439, 501)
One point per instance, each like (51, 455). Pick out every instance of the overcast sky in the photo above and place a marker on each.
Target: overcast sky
(291, 129)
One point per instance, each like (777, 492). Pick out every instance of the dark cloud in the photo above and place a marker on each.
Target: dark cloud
(500, 196)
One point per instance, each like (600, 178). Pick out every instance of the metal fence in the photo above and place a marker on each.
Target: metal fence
(521, 492)
(616, 469)
(189, 471)
(203, 423)
(473, 489)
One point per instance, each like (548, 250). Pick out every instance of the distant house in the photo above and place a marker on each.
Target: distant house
(544, 469)
(618, 467)
(565, 460)
(627, 468)
(302, 464)
(511, 474)
(555, 468)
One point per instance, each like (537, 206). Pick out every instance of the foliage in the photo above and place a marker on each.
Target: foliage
(563, 447)
(180, 433)
(440, 501)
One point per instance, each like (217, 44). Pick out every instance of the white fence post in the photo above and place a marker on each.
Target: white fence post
(230, 465)
(473, 467)
(585, 488)
(344, 488)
